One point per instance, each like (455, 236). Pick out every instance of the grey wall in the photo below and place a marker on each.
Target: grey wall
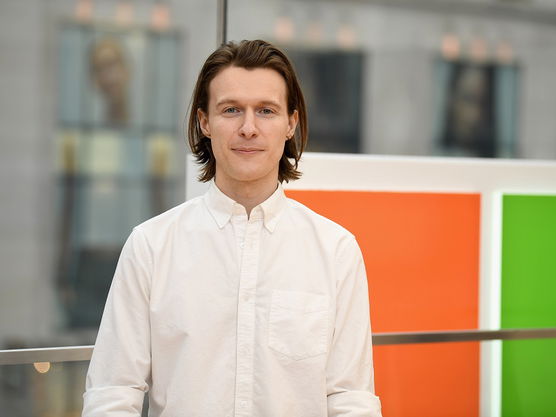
(26, 305)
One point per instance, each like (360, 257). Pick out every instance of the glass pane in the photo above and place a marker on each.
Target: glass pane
(406, 79)
(462, 379)
(95, 98)
(44, 389)
(412, 380)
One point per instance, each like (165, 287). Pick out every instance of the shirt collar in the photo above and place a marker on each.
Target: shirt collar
(222, 207)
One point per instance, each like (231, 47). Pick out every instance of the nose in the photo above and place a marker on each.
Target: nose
(248, 128)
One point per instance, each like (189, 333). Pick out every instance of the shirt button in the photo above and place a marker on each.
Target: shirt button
(243, 404)
(241, 245)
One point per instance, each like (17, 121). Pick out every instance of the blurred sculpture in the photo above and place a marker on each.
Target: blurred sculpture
(469, 128)
(110, 73)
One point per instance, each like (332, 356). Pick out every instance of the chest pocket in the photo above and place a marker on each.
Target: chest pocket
(298, 324)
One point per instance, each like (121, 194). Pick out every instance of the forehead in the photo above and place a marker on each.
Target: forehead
(247, 85)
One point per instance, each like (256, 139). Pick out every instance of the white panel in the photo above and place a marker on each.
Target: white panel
(436, 174)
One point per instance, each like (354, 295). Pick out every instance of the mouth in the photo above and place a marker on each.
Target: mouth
(246, 151)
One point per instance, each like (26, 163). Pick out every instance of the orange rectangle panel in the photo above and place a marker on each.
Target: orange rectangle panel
(421, 252)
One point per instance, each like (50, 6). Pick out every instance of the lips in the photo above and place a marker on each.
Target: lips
(247, 151)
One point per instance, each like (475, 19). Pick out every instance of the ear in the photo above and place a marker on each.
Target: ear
(202, 117)
(293, 119)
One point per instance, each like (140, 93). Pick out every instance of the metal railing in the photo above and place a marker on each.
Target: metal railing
(402, 338)
(83, 353)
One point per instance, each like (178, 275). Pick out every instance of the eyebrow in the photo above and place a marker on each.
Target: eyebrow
(260, 103)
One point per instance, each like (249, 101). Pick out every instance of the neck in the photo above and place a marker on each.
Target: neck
(247, 193)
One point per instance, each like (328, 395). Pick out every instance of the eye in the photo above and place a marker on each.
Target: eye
(230, 110)
(266, 111)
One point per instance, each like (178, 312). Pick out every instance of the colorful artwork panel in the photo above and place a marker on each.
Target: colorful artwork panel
(422, 257)
(434, 380)
(528, 300)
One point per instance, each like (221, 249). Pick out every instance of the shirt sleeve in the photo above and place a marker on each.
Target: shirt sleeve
(349, 373)
(119, 371)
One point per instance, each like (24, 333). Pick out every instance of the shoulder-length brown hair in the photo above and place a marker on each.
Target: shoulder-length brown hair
(248, 54)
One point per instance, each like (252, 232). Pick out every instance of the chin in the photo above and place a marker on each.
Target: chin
(247, 178)
(250, 176)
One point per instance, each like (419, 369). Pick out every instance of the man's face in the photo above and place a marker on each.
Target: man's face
(248, 124)
(110, 72)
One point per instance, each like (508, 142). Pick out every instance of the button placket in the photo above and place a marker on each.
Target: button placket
(239, 221)
(246, 318)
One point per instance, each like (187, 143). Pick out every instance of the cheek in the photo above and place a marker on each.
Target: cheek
(217, 146)
(220, 134)
(278, 150)
(218, 150)
(225, 125)
(276, 132)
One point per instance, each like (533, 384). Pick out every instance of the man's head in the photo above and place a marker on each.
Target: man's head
(248, 116)
(109, 68)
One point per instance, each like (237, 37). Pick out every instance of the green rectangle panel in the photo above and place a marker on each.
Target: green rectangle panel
(529, 300)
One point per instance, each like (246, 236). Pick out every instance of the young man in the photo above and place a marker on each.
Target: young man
(240, 302)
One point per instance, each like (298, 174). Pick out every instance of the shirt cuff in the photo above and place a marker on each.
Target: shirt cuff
(354, 404)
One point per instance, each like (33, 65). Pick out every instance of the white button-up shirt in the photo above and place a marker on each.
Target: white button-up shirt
(218, 315)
